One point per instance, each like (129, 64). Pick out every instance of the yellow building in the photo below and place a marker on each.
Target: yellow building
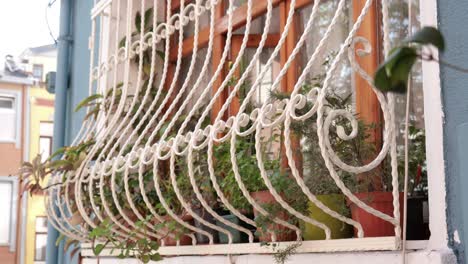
(39, 61)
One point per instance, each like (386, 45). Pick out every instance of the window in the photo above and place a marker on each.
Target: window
(38, 71)
(45, 147)
(8, 207)
(6, 195)
(347, 89)
(40, 239)
(46, 131)
(7, 118)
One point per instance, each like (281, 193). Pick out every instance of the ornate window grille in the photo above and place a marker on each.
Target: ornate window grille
(182, 82)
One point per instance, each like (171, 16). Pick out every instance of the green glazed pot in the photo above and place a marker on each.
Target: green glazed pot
(236, 235)
(338, 229)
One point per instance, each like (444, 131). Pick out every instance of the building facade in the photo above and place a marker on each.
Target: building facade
(38, 62)
(26, 114)
(14, 111)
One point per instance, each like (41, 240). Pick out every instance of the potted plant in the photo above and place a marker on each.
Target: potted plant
(171, 226)
(383, 200)
(231, 190)
(250, 174)
(201, 175)
(314, 171)
(318, 180)
(290, 192)
(372, 187)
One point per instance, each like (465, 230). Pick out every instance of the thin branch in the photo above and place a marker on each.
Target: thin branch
(52, 185)
(430, 57)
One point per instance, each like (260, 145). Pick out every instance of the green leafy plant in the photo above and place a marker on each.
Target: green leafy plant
(33, 174)
(393, 74)
(417, 167)
(136, 244)
(281, 255)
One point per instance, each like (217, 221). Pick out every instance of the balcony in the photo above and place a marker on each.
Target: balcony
(241, 127)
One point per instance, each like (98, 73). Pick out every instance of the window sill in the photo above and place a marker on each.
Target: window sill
(417, 252)
(377, 257)
(13, 141)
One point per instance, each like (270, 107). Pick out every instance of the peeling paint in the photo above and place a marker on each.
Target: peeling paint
(456, 237)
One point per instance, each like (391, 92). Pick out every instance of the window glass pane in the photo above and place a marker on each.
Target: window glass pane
(41, 224)
(40, 248)
(6, 102)
(46, 129)
(7, 118)
(258, 24)
(6, 189)
(263, 90)
(399, 24)
(341, 82)
(37, 71)
(45, 144)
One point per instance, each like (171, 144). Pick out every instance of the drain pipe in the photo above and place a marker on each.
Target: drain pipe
(61, 88)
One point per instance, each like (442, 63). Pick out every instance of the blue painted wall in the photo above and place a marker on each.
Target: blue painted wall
(73, 87)
(78, 80)
(79, 76)
(453, 18)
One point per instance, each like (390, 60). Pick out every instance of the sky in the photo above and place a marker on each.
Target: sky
(23, 24)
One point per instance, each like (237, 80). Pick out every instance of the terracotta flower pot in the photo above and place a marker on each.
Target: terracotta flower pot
(374, 226)
(76, 219)
(183, 239)
(282, 233)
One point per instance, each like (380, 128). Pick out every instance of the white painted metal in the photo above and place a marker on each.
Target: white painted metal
(434, 119)
(123, 62)
(99, 8)
(334, 245)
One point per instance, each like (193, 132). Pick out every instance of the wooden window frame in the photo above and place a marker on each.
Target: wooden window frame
(367, 104)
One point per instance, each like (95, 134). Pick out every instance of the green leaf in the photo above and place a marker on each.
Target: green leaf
(87, 100)
(156, 257)
(122, 42)
(148, 21)
(60, 164)
(59, 239)
(98, 249)
(154, 245)
(428, 35)
(59, 151)
(138, 21)
(161, 54)
(392, 75)
(145, 258)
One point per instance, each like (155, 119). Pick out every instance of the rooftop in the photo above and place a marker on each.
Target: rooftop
(13, 73)
(45, 50)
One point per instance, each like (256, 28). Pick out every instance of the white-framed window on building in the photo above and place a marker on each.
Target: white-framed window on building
(40, 240)
(8, 115)
(46, 132)
(38, 71)
(8, 207)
